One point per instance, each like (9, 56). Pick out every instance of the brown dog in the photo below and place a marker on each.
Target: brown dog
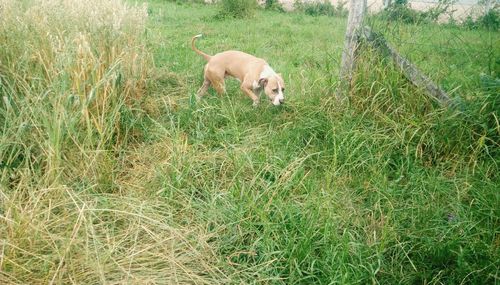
(254, 74)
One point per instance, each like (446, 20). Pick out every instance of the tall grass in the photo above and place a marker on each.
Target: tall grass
(69, 70)
(72, 75)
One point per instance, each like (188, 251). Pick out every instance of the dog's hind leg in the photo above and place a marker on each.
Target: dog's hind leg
(203, 89)
(219, 86)
(216, 78)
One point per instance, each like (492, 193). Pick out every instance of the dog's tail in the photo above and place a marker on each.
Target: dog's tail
(205, 56)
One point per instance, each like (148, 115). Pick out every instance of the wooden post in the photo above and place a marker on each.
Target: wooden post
(488, 5)
(357, 9)
(387, 3)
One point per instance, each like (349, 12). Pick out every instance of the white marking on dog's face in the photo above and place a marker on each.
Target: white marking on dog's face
(274, 90)
(280, 97)
(274, 86)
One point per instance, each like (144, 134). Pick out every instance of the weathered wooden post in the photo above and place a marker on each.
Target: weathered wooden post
(488, 5)
(387, 3)
(357, 9)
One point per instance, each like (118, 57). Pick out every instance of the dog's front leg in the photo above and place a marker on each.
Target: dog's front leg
(249, 92)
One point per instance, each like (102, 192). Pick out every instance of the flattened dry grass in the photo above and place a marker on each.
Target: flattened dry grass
(58, 235)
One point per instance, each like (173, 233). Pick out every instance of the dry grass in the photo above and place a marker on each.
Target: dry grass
(57, 235)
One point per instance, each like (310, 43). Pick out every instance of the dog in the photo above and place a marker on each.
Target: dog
(252, 72)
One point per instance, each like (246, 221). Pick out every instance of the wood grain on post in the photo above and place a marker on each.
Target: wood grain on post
(357, 10)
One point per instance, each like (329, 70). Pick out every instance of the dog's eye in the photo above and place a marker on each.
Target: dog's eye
(275, 90)
(282, 89)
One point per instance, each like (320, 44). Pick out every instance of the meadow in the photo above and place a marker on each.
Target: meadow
(112, 172)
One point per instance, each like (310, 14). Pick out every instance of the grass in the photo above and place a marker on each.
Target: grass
(111, 173)
(455, 57)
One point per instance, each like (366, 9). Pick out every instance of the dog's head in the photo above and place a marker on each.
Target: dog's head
(274, 87)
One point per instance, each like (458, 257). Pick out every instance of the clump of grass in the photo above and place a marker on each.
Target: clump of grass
(318, 8)
(237, 9)
(274, 5)
(489, 20)
(69, 69)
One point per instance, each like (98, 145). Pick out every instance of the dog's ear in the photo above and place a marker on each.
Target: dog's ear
(263, 82)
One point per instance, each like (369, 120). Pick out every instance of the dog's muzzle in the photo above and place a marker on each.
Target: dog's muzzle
(278, 100)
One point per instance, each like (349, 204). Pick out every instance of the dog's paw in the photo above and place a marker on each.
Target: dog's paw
(255, 103)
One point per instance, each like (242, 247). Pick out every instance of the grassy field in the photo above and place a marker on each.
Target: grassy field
(110, 172)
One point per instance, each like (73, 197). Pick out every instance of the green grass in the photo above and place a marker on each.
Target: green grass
(153, 187)
(453, 56)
